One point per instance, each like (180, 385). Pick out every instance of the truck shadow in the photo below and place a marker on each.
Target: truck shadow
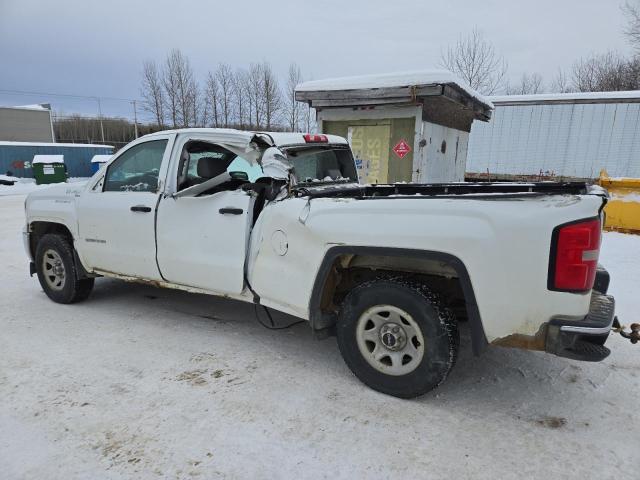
(532, 385)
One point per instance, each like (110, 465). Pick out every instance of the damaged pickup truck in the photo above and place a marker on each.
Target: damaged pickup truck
(279, 219)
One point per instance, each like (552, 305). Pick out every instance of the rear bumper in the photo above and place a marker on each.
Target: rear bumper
(583, 339)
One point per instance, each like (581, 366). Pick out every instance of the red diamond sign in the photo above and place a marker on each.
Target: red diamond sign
(401, 148)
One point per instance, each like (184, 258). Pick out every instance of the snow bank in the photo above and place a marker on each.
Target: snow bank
(389, 80)
(24, 186)
(9, 178)
(52, 144)
(47, 159)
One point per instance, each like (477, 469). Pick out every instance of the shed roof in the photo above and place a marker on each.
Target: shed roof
(393, 88)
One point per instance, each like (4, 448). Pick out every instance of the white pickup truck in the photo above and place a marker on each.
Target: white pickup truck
(279, 219)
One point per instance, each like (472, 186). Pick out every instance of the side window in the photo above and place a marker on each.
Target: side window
(137, 169)
(241, 165)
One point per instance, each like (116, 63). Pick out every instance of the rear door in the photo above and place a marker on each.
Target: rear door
(116, 218)
(202, 240)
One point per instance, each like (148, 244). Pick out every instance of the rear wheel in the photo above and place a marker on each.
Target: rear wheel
(56, 270)
(397, 337)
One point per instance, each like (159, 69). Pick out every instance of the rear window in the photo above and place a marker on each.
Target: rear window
(322, 164)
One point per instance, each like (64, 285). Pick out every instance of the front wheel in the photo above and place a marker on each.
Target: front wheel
(397, 337)
(56, 270)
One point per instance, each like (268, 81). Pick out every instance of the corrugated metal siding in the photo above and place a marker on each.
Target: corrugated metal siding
(573, 140)
(17, 158)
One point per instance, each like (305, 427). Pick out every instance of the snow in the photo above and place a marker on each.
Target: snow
(389, 80)
(47, 159)
(625, 197)
(35, 106)
(144, 383)
(567, 97)
(9, 178)
(100, 158)
(24, 186)
(51, 144)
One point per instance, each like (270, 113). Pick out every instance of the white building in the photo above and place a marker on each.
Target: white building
(572, 135)
(29, 123)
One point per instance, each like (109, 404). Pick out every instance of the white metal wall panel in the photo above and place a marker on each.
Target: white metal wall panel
(572, 140)
(450, 165)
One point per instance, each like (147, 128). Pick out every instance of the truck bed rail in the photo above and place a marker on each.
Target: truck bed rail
(440, 190)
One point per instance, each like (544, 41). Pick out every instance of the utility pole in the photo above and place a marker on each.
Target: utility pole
(100, 117)
(135, 119)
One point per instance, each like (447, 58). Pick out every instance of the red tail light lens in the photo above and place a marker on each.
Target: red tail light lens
(311, 138)
(574, 256)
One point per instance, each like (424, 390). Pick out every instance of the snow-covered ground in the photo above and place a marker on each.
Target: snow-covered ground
(24, 186)
(139, 382)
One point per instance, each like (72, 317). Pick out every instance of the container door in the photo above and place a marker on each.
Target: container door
(370, 146)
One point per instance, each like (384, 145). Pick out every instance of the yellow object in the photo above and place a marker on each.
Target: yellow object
(623, 210)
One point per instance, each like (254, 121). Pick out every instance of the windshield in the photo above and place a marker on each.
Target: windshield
(322, 164)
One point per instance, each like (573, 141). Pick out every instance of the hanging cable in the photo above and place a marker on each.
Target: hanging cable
(256, 303)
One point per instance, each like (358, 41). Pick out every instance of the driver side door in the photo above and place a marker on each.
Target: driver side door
(116, 218)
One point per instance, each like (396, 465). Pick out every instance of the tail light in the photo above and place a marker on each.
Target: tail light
(575, 248)
(311, 138)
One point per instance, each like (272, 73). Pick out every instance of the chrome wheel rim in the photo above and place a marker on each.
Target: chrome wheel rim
(53, 270)
(390, 340)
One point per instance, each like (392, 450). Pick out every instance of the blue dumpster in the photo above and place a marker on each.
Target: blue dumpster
(97, 161)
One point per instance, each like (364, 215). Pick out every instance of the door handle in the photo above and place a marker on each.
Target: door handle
(140, 208)
(231, 211)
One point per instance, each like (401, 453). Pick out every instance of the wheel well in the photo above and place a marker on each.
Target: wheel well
(38, 229)
(345, 267)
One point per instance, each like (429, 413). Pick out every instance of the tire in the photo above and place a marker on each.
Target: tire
(56, 270)
(385, 324)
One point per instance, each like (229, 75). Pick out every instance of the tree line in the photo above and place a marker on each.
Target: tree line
(245, 98)
(475, 60)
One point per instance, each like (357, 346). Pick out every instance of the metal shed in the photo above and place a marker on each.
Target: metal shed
(571, 135)
(409, 126)
(16, 157)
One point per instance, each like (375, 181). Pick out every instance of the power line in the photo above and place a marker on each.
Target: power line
(66, 95)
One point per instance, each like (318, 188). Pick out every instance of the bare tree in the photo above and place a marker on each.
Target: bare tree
(529, 83)
(240, 98)
(560, 83)
(308, 119)
(170, 84)
(152, 92)
(212, 100)
(631, 10)
(271, 94)
(224, 77)
(606, 72)
(475, 60)
(255, 90)
(294, 108)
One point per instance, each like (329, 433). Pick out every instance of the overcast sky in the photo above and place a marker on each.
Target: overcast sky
(96, 48)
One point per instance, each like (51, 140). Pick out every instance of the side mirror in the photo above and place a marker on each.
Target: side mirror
(239, 176)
